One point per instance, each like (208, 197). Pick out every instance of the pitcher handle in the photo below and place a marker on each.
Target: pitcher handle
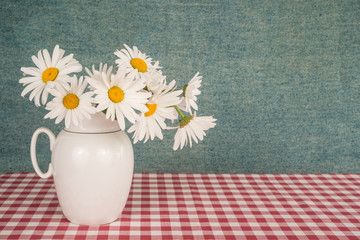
(52, 139)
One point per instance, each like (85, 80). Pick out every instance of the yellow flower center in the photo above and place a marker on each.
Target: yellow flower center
(116, 94)
(139, 64)
(71, 101)
(152, 109)
(50, 74)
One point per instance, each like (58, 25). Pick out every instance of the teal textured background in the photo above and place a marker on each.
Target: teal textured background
(281, 77)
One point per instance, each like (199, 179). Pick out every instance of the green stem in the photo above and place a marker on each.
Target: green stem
(178, 110)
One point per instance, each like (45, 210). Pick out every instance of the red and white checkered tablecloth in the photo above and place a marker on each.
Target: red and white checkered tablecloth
(195, 206)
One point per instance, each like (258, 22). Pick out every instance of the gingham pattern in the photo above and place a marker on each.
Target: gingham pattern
(196, 206)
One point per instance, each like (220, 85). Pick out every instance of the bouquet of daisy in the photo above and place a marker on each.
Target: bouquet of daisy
(136, 91)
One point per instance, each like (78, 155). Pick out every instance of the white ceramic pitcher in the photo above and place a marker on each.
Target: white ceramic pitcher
(92, 167)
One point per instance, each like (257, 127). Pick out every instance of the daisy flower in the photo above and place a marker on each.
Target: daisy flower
(97, 74)
(160, 108)
(192, 128)
(158, 80)
(72, 104)
(49, 72)
(137, 64)
(190, 91)
(119, 96)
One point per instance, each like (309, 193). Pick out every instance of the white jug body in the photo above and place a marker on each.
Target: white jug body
(92, 166)
(92, 175)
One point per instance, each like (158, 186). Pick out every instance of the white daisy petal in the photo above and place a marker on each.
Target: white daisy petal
(55, 56)
(74, 118)
(102, 106)
(150, 128)
(30, 87)
(71, 69)
(60, 117)
(84, 113)
(96, 75)
(67, 119)
(41, 61)
(47, 58)
(35, 92)
(128, 112)
(183, 139)
(120, 118)
(41, 65)
(177, 141)
(110, 112)
(28, 80)
(56, 111)
(37, 99)
(64, 61)
(32, 71)
(44, 97)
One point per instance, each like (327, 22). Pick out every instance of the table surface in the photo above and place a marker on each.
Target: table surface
(195, 206)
